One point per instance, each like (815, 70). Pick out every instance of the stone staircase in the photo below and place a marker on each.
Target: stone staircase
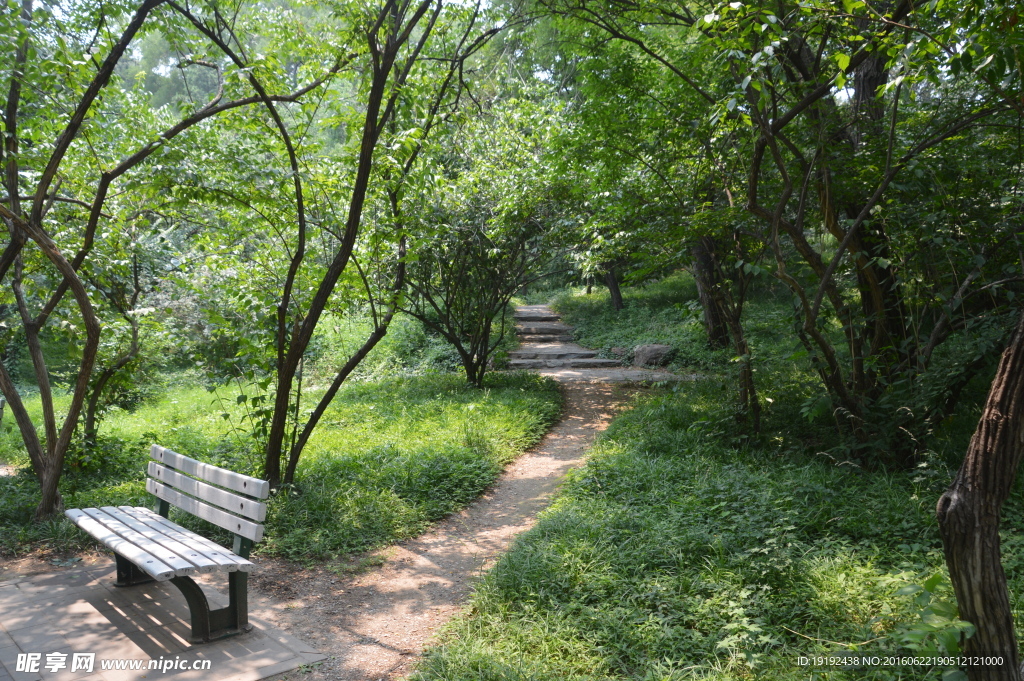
(547, 343)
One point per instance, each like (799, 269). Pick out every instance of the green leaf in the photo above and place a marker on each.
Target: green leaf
(909, 589)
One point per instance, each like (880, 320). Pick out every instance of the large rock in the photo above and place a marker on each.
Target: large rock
(653, 355)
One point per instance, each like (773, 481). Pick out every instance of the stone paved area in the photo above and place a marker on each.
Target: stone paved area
(80, 611)
(546, 348)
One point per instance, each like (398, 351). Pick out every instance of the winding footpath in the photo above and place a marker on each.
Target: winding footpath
(375, 625)
(373, 621)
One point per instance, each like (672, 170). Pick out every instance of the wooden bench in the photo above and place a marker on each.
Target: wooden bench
(148, 546)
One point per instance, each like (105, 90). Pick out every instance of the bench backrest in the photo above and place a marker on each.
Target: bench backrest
(209, 492)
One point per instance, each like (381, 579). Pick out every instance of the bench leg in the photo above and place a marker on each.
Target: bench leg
(210, 625)
(128, 574)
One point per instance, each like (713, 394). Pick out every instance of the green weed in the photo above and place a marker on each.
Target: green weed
(689, 549)
(388, 458)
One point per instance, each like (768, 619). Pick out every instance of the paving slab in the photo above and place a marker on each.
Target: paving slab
(624, 375)
(552, 353)
(81, 612)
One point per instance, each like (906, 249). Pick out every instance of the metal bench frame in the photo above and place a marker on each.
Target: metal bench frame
(227, 499)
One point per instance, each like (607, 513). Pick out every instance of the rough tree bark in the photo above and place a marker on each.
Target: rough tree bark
(705, 274)
(969, 514)
(613, 288)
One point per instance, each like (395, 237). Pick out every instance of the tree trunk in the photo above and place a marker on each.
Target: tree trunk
(749, 400)
(468, 365)
(969, 514)
(706, 276)
(325, 401)
(613, 288)
(867, 79)
(93, 404)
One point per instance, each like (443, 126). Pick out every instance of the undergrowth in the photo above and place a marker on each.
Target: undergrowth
(689, 549)
(388, 458)
(674, 555)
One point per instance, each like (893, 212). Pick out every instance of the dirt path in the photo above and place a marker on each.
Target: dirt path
(374, 625)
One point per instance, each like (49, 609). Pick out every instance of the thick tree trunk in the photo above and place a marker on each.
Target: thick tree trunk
(969, 514)
(613, 288)
(869, 77)
(749, 400)
(706, 275)
(468, 365)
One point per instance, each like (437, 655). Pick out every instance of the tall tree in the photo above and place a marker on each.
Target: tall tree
(25, 218)
(406, 61)
(831, 115)
(58, 192)
(969, 513)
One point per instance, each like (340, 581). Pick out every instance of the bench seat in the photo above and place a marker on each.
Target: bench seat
(147, 546)
(160, 548)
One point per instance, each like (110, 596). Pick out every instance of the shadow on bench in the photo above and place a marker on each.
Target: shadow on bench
(148, 546)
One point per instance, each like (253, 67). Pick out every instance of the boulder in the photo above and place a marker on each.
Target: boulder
(619, 352)
(652, 355)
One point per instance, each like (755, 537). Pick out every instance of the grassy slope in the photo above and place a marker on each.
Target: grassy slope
(389, 457)
(681, 551)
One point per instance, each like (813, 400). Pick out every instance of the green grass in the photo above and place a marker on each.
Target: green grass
(395, 455)
(668, 311)
(673, 555)
(389, 457)
(687, 549)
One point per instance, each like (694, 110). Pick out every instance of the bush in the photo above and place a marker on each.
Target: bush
(400, 454)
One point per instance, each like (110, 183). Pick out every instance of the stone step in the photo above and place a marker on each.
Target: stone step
(587, 363)
(530, 353)
(544, 338)
(542, 328)
(537, 317)
(594, 363)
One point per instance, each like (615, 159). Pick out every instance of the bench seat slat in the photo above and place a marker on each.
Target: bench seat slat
(253, 487)
(192, 554)
(145, 561)
(228, 560)
(232, 523)
(214, 495)
(180, 565)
